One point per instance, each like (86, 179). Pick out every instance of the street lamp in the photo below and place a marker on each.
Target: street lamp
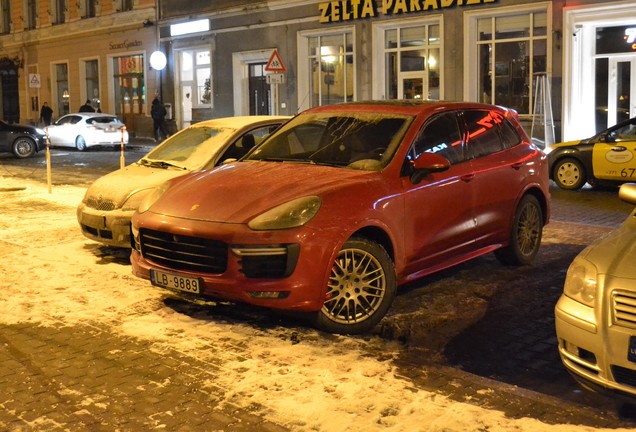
(158, 62)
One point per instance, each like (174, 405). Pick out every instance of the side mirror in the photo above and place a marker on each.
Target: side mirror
(427, 163)
(627, 193)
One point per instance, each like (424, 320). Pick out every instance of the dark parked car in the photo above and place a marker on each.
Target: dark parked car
(343, 204)
(21, 140)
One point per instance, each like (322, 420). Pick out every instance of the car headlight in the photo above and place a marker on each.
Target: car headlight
(152, 197)
(136, 198)
(40, 132)
(581, 282)
(292, 214)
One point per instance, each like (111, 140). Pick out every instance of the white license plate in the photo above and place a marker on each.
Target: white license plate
(174, 281)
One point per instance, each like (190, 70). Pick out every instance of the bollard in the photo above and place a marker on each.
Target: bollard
(48, 160)
(122, 162)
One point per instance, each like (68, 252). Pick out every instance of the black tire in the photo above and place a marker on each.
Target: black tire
(23, 148)
(569, 174)
(361, 289)
(80, 143)
(526, 233)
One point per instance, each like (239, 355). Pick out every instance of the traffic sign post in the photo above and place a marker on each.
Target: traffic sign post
(277, 68)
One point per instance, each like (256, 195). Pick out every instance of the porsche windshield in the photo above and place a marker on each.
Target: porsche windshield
(355, 140)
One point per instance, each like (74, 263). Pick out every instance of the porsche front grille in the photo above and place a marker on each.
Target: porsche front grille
(183, 253)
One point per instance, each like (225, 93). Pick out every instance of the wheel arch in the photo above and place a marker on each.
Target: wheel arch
(583, 155)
(543, 202)
(379, 236)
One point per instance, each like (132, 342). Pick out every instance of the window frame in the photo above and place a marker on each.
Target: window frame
(379, 29)
(304, 58)
(472, 43)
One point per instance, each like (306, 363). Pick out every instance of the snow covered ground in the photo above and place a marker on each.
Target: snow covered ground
(51, 275)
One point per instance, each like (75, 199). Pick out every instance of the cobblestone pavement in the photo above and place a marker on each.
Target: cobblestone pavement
(94, 379)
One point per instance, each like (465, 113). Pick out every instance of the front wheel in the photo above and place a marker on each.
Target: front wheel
(569, 174)
(80, 143)
(23, 148)
(361, 288)
(525, 237)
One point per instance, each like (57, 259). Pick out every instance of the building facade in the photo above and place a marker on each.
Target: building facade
(68, 52)
(565, 66)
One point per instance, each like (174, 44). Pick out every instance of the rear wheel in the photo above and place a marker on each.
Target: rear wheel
(80, 143)
(23, 148)
(569, 174)
(361, 288)
(525, 237)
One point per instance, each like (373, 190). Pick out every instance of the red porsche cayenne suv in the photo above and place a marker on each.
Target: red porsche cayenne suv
(345, 203)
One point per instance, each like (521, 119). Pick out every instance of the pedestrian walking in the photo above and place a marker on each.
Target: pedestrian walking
(158, 114)
(87, 107)
(45, 114)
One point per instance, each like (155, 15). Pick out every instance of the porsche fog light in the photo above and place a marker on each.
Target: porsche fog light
(289, 215)
(581, 282)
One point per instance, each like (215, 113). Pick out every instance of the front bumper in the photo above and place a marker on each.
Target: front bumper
(595, 354)
(240, 257)
(109, 227)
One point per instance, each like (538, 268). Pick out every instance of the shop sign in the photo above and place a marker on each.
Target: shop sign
(615, 40)
(126, 44)
(347, 10)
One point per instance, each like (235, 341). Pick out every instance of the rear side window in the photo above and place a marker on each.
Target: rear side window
(440, 135)
(509, 135)
(482, 128)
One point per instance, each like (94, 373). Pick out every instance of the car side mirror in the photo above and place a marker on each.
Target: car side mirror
(627, 193)
(428, 163)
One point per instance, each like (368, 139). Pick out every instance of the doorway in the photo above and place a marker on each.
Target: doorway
(621, 101)
(259, 90)
(10, 95)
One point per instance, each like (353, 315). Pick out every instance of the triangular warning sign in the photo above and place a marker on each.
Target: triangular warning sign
(275, 64)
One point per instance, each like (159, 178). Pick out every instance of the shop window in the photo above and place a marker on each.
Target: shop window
(130, 90)
(88, 8)
(326, 69)
(511, 48)
(58, 11)
(5, 16)
(30, 14)
(196, 73)
(91, 83)
(61, 87)
(123, 5)
(330, 62)
(412, 62)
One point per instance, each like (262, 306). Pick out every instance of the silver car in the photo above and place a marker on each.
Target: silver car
(109, 203)
(596, 315)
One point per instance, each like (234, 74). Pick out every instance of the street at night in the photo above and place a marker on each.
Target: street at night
(88, 346)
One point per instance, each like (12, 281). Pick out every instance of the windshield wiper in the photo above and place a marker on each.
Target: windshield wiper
(160, 164)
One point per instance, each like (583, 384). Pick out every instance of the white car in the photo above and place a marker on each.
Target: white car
(596, 315)
(109, 203)
(83, 130)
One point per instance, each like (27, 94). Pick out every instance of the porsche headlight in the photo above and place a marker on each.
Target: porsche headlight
(136, 198)
(289, 215)
(152, 197)
(581, 282)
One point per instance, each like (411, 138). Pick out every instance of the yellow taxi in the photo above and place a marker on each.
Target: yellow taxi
(608, 156)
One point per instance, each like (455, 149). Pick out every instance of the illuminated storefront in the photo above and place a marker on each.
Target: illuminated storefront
(495, 51)
(599, 58)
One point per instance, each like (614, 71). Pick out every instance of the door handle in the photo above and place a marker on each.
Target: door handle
(516, 165)
(467, 177)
